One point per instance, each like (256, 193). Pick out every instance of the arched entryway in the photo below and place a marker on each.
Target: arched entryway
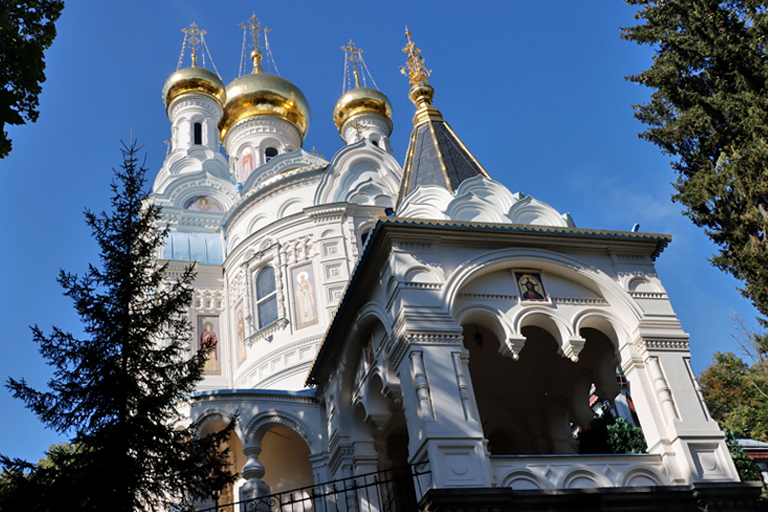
(534, 405)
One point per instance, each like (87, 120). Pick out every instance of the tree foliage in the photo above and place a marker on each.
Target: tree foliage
(733, 392)
(26, 30)
(607, 434)
(748, 469)
(119, 388)
(709, 111)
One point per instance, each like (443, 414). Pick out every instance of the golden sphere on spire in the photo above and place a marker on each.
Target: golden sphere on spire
(362, 100)
(193, 80)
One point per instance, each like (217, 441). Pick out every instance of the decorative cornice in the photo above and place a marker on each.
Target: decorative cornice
(267, 332)
(648, 295)
(668, 344)
(592, 301)
(486, 296)
(422, 286)
(209, 104)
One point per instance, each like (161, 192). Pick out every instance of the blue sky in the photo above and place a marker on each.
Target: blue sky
(536, 90)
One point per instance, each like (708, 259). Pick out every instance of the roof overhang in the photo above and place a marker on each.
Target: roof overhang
(366, 273)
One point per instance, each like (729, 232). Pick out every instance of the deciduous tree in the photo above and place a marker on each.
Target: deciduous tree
(27, 29)
(733, 392)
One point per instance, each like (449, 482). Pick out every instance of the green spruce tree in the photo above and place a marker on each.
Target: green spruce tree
(117, 391)
(709, 112)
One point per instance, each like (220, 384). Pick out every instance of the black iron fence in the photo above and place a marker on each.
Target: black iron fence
(392, 490)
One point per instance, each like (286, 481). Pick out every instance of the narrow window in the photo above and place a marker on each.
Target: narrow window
(364, 237)
(266, 297)
(375, 142)
(198, 133)
(269, 154)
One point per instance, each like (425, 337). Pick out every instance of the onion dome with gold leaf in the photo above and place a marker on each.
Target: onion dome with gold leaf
(193, 80)
(264, 94)
(359, 101)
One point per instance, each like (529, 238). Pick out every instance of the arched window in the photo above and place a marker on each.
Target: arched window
(266, 297)
(269, 154)
(198, 133)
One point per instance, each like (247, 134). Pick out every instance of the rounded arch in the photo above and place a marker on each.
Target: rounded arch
(257, 223)
(232, 243)
(329, 233)
(490, 318)
(582, 478)
(643, 477)
(523, 480)
(271, 142)
(353, 166)
(183, 189)
(290, 207)
(544, 318)
(421, 274)
(559, 264)
(213, 418)
(371, 313)
(603, 321)
(641, 284)
(262, 422)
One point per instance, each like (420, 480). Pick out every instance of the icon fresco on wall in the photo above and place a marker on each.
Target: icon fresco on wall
(207, 336)
(203, 204)
(531, 287)
(246, 164)
(304, 296)
(240, 332)
(369, 355)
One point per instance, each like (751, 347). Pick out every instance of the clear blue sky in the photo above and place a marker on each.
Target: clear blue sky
(535, 89)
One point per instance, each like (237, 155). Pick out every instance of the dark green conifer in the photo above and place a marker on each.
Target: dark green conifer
(709, 112)
(116, 391)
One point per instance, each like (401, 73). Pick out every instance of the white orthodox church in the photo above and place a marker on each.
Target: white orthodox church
(371, 316)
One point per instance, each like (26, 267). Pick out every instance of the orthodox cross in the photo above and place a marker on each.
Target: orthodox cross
(358, 127)
(194, 35)
(416, 71)
(353, 56)
(255, 26)
(314, 152)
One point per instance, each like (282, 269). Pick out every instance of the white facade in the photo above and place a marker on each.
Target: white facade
(415, 329)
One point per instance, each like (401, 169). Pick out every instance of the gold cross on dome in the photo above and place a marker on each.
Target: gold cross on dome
(194, 34)
(416, 71)
(358, 127)
(353, 56)
(255, 26)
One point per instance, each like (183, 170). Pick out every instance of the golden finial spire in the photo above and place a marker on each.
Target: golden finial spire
(255, 26)
(416, 71)
(353, 57)
(193, 35)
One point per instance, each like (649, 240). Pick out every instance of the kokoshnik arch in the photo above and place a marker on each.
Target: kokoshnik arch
(369, 316)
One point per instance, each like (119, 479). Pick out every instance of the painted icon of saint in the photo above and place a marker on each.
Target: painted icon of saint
(531, 288)
(241, 333)
(305, 299)
(246, 164)
(209, 341)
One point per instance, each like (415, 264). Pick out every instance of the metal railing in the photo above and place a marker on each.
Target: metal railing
(391, 490)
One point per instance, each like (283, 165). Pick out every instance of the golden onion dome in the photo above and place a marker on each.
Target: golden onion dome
(362, 100)
(264, 94)
(194, 79)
